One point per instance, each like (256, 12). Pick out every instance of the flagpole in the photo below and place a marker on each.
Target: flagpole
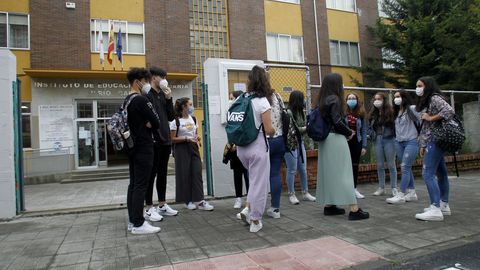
(114, 47)
(101, 50)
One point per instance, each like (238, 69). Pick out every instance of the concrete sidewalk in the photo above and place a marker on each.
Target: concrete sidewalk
(214, 240)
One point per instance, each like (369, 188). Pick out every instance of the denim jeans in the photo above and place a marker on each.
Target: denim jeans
(434, 164)
(407, 153)
(385, 149)
(294, 164)
(277, 152)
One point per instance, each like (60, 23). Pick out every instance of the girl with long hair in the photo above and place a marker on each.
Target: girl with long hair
(382, 129)
(433, 107)
(334, 173)
(407, 124)
(188, 164)
(357, 145)
(255, 157)
(296, 160)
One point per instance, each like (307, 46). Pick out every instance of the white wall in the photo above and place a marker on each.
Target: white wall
(216, 76)
(8, 66)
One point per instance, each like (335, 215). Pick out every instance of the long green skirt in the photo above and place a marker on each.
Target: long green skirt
(334, 172)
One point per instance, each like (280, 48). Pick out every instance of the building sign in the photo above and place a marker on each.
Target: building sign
(56, 127)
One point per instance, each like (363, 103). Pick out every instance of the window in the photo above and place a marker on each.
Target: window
(14, 31)
(289, 1)
(133, 38)
(284, 48)
(346, 5)
(26, 133)
(344, 53)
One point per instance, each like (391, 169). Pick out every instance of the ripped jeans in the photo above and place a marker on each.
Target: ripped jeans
(407, 152)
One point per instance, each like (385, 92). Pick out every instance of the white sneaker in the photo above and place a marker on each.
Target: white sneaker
(203, 205)
(380, 191)
(359, 195)
(238, 203)
(244, 215)
(273, 212)
(293, 199)
(129, 226)
(433, 214)
(308, 197)
(256, 227)
(445, 208)
(397, 199)
(152, 215)
(166, 210)
(394, 192)
(191, 206)
(411, 196)
(146, 228)
(428, 208)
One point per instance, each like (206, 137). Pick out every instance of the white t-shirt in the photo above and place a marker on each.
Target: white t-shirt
(188, 128)
(259, 106)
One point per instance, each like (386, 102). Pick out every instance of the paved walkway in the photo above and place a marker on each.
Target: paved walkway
(303, 238)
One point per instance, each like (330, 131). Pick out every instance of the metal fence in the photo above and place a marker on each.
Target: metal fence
(37, 162)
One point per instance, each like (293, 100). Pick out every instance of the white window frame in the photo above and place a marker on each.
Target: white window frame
(8, 30)
(295, 2)
(290, 51)
(29, 114)
(346, 10)
(126, 52)
(349, 56)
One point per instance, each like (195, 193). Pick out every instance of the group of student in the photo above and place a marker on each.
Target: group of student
(159, 128)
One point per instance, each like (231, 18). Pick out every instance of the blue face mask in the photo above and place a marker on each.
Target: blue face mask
(352, 103)
(190, 110)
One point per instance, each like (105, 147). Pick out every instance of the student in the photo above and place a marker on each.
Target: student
(297, 159)
(433, 107)
(161, 97)
(382, 128)
(188, 165)
(142, 119)
(335, 174)
(406, 129)
(230, 154)
(358, 145)
(255, 156)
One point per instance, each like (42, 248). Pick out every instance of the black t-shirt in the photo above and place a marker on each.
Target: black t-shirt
(140, 112)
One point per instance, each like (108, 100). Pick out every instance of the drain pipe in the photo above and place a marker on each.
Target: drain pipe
(317, 41)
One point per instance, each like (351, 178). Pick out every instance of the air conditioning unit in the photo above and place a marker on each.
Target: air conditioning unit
(70, 5)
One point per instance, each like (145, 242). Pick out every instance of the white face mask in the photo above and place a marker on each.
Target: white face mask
(230, 102)
(145, 88)
(419, 91)
(378, 103)
(397, 101)
(163, 84)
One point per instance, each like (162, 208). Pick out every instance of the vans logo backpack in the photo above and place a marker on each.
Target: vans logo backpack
(241, 129)
(118, 125)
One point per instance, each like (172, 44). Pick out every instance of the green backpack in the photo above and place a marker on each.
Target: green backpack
(241, 129)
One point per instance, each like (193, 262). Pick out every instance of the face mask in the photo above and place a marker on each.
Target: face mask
(397, 101)
(378, 103)
(230, 102)
(352, 103)
(419, 91)
(163, 84)
(190, 110)
(145, 88)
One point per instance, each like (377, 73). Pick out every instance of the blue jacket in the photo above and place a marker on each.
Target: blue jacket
(362, 135)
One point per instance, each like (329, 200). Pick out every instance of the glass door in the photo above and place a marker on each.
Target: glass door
(102, 142)
(86, 141)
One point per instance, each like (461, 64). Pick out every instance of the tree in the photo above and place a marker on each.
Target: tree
(439, 38)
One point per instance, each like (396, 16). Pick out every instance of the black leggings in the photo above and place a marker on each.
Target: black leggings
(159, 170)
(355, 153)
(237, 178)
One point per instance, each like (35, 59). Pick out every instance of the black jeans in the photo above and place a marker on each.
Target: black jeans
(140, 162)
(237, 179)
(355, 153)
(161, 154)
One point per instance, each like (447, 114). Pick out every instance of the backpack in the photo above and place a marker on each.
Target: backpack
(318, 127)
(241, 129)
(117, 125)
(290, 131)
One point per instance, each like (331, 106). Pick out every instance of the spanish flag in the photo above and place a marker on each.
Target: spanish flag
(111, 45)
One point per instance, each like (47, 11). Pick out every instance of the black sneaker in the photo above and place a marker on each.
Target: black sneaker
(359, 215)
(333, 211)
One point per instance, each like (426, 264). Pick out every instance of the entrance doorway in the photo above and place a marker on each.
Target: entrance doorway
(94, 148)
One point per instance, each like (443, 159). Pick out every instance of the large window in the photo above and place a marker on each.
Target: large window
(344, 53)
(14, 31)
(289, 1)
(26, 131)
(284, 48)
(133, 38)
(346, 5)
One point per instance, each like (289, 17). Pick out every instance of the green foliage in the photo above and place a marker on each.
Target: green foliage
(439, 38)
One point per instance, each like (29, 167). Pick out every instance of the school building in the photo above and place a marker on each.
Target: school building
(68, 94)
